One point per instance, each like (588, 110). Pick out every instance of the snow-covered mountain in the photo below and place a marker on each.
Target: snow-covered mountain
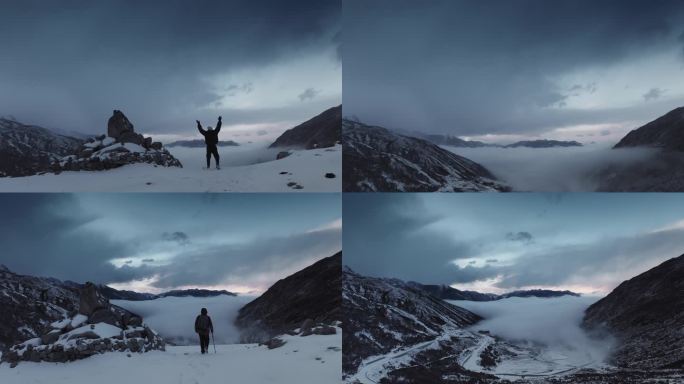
(321, 131)
(311, 296)
(384, 315)
(646, 313)
(378, 160)
(27, 149)
(200, 143)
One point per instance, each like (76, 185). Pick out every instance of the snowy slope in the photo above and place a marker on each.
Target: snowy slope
(303, 171)
(378, 160)
(313, 359)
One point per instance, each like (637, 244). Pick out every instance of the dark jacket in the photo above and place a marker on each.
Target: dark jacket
(210, 137)
(203, 325)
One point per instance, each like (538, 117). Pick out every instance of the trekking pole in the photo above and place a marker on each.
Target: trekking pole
(213, 341)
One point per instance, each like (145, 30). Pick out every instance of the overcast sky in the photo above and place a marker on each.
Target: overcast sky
(588, 243)
(154, 242)
(264, 65)
(507, 70)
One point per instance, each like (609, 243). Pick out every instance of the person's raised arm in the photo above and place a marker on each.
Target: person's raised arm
(218, 125)
(199, 128)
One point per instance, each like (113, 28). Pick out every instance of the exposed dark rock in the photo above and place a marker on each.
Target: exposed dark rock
(329, 175)
(282, 155)
(543, 144)
(378, 160)
(312, 293)
(27, 150)
(321, 131)
(119, 125)
(646, 314)
(666, 132)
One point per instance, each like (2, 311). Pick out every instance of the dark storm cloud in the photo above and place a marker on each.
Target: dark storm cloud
(177, 237)
(68, 64)
(524, 237)
(308, 94)
(476, 67)
(262, 256)
(561, 265)
(249, 240)
(390, 239)
(44, 235)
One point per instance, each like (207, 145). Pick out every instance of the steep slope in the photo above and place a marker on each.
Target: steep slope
(383, 314)
(312, 293)
(376, 159)
(666, 132)
(27, 150)
(646, 313)
(322, 131)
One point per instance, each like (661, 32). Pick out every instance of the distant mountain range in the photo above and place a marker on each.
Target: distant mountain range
(200, 143)
(446, 292)
(646, 315)
(321, 131)
(454, 141)
(115, 294)
(376, 159)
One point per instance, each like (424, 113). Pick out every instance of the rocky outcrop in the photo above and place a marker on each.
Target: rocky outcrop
(383, 314)
(123, 146)
(46, 319)
(321, 131)
(378, 160)
(665, 132)
(27, 150)
(646, 315)
(310, 298)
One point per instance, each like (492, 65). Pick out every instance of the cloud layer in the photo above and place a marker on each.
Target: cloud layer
(491, 67)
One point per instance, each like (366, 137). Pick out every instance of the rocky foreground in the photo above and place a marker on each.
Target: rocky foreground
(49, 320)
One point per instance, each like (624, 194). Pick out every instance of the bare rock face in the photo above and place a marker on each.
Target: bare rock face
(308, 299)
(119, 125)
(90, 299)
(322, 131)
(646, 315)
(666, 132)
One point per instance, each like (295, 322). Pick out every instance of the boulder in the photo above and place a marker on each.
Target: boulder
(305, 329)
(282, 155)
(325, 330)
(50, 337)
(274, 343)
(156, 145)
(90, 300)
(104, 315)
(147, 142)
(118, 125)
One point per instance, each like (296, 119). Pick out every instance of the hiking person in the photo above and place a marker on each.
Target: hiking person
(211, 140)
(203, 327)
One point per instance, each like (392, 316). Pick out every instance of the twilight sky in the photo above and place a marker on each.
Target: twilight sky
(264, 65)
(588, 243)
(154, 242)
(502, 71)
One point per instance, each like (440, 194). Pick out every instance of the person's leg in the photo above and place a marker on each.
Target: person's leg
(208, 157)
(216, 157)
(206, 343)
(201, 337)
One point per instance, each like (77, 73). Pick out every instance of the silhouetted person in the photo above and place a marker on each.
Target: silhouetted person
(211, 140)
(203, 327)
